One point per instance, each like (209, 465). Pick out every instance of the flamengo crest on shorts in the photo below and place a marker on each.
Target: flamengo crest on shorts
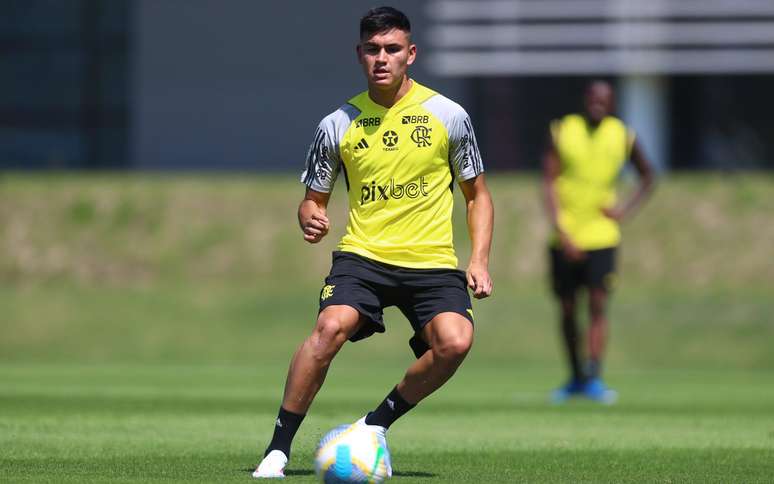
(326, 292)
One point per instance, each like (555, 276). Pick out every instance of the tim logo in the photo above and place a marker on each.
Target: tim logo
(372, 192)
(367, 122)
(390, 140)
(421, 136)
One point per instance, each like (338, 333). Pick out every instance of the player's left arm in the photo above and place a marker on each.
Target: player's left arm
(644, 188)
(480, 225)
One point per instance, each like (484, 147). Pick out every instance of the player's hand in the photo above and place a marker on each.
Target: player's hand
(571, 251)
(315, 228)
(614, 213)
(479, 280)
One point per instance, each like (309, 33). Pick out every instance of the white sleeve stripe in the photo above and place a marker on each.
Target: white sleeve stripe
(478, 165)
(312, 159)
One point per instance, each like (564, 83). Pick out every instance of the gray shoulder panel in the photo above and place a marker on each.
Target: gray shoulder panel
(323, 160)
(464, 156)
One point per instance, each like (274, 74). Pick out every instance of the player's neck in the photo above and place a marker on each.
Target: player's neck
(389, 97)
(592, 124)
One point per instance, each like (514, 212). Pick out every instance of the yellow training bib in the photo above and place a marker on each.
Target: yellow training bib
(591, 160)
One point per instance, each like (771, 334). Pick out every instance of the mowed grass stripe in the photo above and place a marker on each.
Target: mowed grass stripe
(487, 426)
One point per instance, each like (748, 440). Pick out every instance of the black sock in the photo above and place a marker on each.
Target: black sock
(285, 428)
(571, 341)
(391, 409)
(594, 368)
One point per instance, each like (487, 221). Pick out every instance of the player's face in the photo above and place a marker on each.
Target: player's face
(385, 57)
(599, 101)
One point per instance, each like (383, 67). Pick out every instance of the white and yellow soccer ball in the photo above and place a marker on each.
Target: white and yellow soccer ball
(352, 454)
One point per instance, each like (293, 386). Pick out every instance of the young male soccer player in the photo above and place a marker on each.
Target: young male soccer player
(400, 148)
(585, 155)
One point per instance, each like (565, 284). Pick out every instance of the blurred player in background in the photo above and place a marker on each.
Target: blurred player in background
(585, 155)
(400, 148)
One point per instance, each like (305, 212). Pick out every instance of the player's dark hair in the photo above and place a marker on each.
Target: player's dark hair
(598, 80)
(383, 19)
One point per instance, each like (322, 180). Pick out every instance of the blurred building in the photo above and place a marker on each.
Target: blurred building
(692, 75)
(64, 83)
(241, 85)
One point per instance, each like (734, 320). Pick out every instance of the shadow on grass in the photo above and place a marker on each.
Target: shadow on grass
(309, 472)
(413, 474)
(299, 472)
(288, 472)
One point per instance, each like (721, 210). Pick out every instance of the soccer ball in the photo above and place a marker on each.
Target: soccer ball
(352, 454)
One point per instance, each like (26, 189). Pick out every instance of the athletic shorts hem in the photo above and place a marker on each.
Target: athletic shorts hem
(370, 286)
(373, 323)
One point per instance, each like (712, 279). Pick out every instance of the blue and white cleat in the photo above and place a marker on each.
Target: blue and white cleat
(573, 388)
(595, 389)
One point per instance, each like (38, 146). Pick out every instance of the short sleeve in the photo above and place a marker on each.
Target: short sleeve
(464, 156)
(322, 160)
(555, 128)
(631, 137)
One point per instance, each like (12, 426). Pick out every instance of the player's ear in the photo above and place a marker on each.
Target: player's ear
(359, 50)
(412, 54)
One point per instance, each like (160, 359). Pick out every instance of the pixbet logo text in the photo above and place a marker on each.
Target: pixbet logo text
(371, 192)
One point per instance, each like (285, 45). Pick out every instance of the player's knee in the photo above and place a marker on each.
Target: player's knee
(597, 310)
(569, 322)
(329, 336)
(454, 348)
(597, 314)
(568, 308)
(597, 302)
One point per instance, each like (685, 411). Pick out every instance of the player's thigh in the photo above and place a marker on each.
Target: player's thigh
(340, 319)
(442, 311)
(564, 275)
(600, 271)
(598, 299)
(350, 294)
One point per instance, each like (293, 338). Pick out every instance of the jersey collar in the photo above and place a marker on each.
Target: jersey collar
(405, 100)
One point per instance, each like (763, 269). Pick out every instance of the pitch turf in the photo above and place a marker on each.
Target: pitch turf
(170, 276)
(490, 424)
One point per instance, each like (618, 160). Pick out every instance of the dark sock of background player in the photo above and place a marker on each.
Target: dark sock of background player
(571, 337)
(572, 344)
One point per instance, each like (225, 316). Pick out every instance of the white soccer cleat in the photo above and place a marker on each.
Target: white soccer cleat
(381, 436)
(272, 466)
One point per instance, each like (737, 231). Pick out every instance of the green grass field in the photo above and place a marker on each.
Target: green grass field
(147, 323)
(491, 424)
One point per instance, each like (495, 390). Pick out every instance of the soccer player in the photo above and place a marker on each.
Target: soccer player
(585, 155)
(400, 148)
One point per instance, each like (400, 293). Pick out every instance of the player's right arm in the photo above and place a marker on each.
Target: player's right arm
(322, 167)
(551, 170)
(313, 215)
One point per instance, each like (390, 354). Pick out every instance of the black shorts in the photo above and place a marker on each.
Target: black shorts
(596, 271)
(370, 286)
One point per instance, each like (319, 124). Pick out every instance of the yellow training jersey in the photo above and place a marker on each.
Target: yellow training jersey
(591, 159)
(399, 164)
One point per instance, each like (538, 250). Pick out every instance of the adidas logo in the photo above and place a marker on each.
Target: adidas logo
(361, 145)
(391, 404)
(279, 422)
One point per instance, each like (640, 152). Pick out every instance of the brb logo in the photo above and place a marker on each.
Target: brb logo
(371, 192)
